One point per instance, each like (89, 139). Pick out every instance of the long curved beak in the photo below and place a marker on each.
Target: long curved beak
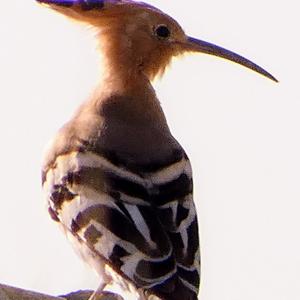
(208, 48)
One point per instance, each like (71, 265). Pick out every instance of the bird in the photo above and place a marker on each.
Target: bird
(116, 180)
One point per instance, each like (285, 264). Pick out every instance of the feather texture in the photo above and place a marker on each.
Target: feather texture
(143, 225)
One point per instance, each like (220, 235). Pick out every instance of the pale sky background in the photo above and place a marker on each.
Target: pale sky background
(240, 130)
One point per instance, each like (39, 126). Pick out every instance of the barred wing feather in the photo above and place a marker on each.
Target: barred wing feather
(143, 226)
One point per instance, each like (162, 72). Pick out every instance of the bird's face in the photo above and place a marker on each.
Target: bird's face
(139, 36)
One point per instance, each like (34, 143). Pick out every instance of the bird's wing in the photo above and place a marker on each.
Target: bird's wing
(144, 228)
(177, 214)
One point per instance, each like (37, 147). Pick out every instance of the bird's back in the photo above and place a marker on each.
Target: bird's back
(124, 193)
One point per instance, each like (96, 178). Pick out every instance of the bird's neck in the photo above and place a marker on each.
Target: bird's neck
(130, 91)
(124, 116)
(124, 90)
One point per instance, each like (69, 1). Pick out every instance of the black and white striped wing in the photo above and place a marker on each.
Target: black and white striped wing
(177, 214)
(143, 227)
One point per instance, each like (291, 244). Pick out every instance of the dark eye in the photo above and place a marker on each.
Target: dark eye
(162, 32)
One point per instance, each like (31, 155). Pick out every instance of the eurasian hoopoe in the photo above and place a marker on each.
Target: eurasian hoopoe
(116, 180)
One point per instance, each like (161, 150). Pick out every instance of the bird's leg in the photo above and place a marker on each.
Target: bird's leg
(96, 293)
(100, 295)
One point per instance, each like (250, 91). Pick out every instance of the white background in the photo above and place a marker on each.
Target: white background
(240, 130)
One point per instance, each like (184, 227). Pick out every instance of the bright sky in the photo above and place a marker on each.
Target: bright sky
(240, 130)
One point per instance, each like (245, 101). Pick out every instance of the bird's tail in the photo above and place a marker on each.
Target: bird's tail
(175, 289)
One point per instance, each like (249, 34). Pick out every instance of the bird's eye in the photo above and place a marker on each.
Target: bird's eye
(162, 32)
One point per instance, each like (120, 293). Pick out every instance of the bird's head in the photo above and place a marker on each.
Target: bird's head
(139, 37)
